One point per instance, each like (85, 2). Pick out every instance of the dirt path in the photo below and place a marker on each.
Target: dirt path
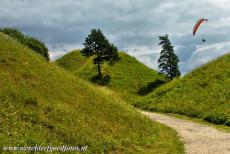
(198, 138)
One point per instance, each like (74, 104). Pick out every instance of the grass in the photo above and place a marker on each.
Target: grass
(128, 77)
(200, 121)
(43, 104)
(203, 93)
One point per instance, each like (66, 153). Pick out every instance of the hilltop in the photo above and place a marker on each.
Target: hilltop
(203, 93)
(128, 77)
(43, 104)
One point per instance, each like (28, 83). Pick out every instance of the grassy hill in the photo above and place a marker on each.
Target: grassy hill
(128, 77)
(43, 104)
(203, 93)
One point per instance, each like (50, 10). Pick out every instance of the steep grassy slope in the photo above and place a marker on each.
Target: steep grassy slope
(42, 104)
(129, 78)
(203, 93)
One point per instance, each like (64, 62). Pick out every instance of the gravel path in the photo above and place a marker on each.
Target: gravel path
(198, 138)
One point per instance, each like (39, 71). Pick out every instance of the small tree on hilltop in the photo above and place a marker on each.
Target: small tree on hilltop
(98, 46)
(168, 61)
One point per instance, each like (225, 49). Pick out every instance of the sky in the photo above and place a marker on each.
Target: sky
(132, 25)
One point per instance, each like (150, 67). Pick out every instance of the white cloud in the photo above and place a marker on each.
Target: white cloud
(205, 53)
(62, 49)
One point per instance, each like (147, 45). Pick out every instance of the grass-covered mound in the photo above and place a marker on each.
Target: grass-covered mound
(128, 77)
(203, 93)
(42, 104)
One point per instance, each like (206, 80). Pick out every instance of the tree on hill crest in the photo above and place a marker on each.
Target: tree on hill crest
(168, 61)
(98, 46)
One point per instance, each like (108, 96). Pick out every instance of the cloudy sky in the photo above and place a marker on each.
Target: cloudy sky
(132, 25)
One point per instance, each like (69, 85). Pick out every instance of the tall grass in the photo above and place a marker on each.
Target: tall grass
(204, 93)
(42, 104)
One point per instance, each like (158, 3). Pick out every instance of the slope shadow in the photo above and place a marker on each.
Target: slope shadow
(103, 82)
(150, 87)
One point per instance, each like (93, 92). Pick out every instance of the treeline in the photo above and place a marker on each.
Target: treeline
(31, 42)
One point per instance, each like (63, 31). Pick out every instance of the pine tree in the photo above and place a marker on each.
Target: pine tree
(98, 46)
(168, 61)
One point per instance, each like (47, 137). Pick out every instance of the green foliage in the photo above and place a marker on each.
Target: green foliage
(203, 93)
(43, 104)
(217, 117)
(103, 81)
(14, 33)
(168, 61)
(128, 77)
(98, 46)
(37, 46)
(30, 42)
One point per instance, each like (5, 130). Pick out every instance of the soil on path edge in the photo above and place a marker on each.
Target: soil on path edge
(198, 138)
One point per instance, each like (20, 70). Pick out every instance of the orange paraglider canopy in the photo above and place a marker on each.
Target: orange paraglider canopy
(197, 25)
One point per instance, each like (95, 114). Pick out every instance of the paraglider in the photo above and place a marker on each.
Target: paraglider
(203, 40)
(197, 25)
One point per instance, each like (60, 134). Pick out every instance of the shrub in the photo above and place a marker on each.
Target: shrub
(103, 81)
(30, 42)
(227, 123)
(37, 46)
(217, 118)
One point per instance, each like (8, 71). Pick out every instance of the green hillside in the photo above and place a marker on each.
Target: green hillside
(42, 104)
(203, 93)
(128, 77)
